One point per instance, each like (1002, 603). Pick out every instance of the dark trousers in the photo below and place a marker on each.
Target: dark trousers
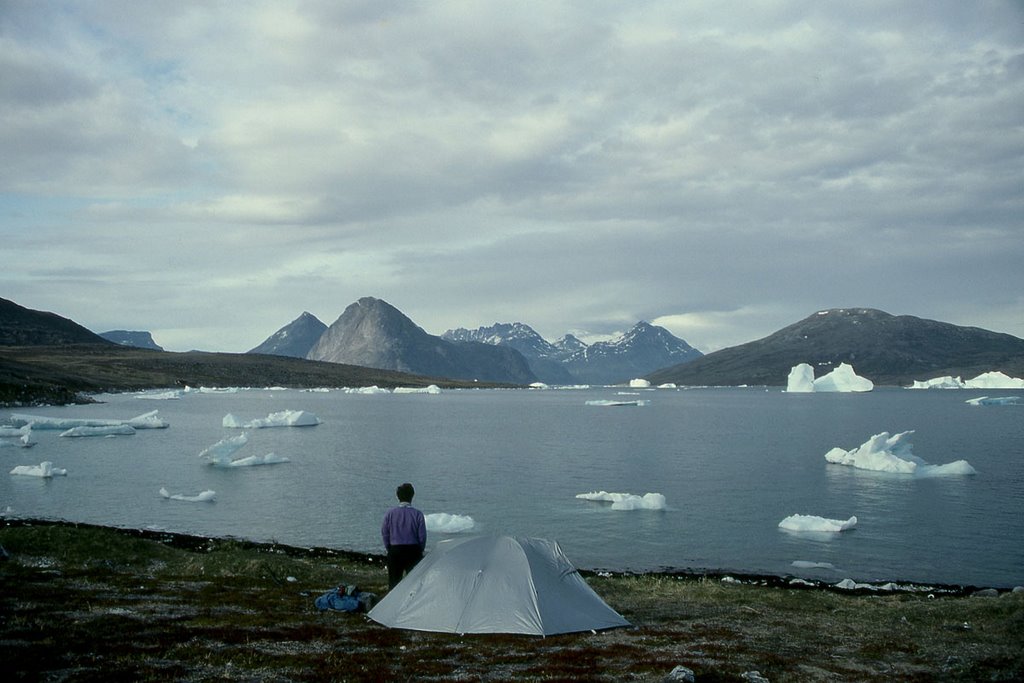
(401, 560)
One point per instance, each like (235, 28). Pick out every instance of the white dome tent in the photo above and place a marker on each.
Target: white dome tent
(495, 584)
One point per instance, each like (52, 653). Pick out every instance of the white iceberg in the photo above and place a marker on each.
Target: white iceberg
(445, 523)
(841, 379)
(253, 460)
(284, 418)
(224, 449)
(801, 379)
(43, 469)
(668, 385)
(626, 501)
(538, 385)
(944, 382)
(639, 383)
(145, 421)
(160, 396)
(111, 430)
(817, 524)
(994, 401)
(885, 453)
(431, 389)
(994, 380)
(219, 454)
(607, 403)
(367, 390)
(202, 497)
(23, 434)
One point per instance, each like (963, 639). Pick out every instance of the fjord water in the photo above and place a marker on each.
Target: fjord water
(732, 463)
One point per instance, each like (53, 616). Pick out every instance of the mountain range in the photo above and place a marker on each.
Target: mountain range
(138, 339)
(373, 333)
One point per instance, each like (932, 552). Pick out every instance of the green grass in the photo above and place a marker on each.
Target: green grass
(82, 603)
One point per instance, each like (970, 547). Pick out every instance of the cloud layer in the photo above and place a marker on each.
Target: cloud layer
(207, 171)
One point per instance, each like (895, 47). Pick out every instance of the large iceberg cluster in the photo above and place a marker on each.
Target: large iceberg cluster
(885, 453)
(626, 501)
(842, 378)
(986, 380)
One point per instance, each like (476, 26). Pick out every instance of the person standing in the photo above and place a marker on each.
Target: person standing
(404, 531)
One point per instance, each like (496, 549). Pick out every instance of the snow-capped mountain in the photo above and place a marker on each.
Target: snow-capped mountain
(643, 349)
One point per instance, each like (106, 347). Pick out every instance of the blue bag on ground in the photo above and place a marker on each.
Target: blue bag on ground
(346, 599)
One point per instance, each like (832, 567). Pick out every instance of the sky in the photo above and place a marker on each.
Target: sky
(207, 171)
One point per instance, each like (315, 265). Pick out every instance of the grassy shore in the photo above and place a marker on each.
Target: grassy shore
(84, 603)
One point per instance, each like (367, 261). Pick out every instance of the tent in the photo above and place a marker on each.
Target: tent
(495, 584)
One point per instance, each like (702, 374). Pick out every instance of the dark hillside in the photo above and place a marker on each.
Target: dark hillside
(20, 326)
(887, 349)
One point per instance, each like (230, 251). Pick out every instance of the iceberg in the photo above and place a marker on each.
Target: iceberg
(813, 523)
(994, 380)
(111, 430)
(160, 396)
(219, 454)
(367, 390)
(945, 382)
(801, 379)
(626, 501)
(608, 403)
(224, 449)
(639, 383)
(284, 418)
(43, 469)
(885, 453)
(445, 523)
(145, 421)
(22, 434)
(203, 497)
(994, 401)
(431, 389)
(841, 379)
(986, 380)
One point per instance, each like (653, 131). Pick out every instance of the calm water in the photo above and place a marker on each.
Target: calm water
(731, 463)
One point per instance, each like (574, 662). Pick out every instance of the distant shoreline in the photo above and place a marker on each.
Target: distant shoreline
(201, 543)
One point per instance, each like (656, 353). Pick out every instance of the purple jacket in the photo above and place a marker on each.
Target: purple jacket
(404, 525)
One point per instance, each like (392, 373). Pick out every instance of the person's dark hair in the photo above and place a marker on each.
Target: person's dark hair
(405, 492)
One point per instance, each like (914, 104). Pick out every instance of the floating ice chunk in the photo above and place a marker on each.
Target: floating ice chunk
(813, 523)
(284, 418)
(945, 382)
(843, 378)
(538, 385)
(14, 432)
(994, 401)
(608, 403)
(639, 383)
(112, 430)
(367, 390)
(43, 469)
(884, 453)
(801, 379)
(445, 523)
(160, 396)
(221, 452)
(23, 434)
(431, 389)
(627, 501)
(203, 497)
(994, 380)
(145, 421)
(252, 461)
(668, 385)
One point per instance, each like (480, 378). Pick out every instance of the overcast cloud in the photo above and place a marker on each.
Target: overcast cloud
(208, 171)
